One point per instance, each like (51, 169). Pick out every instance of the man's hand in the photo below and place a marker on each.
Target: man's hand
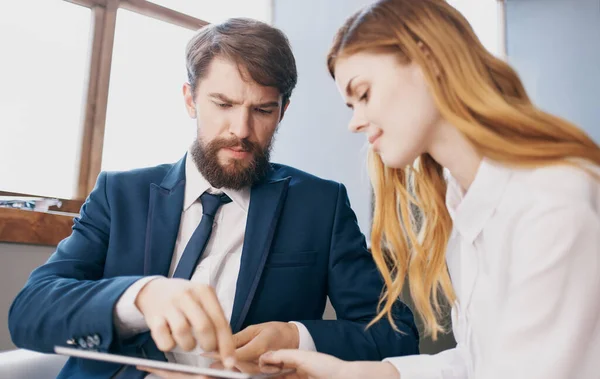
(256, 340)
(181, 313)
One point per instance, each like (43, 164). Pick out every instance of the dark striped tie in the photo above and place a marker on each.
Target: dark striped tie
(197, 243)
(185, 268)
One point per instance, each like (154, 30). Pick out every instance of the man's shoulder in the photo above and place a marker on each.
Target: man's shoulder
(137, 179)
(299, 177)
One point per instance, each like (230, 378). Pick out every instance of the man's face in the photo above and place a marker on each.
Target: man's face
(236, 120)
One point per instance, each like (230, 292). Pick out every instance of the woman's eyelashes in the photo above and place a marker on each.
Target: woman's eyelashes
(364, 97)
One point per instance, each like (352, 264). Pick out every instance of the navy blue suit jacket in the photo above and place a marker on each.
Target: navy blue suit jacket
(302, 243)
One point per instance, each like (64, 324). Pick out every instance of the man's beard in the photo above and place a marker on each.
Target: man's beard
(234, 174)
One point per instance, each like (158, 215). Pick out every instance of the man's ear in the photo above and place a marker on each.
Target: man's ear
(188, 97)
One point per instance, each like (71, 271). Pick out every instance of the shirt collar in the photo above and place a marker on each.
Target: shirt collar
(471, 210)
(196, 185)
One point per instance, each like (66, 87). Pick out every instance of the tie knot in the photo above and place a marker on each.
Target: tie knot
(211, 203)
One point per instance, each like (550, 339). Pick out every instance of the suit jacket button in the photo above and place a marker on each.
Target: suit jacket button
(90, 341)
(96, 340)
(82, 343)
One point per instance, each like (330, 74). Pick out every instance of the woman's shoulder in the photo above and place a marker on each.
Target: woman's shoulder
(576, 182)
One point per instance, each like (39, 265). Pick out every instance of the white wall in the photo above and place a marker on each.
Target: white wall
(16, 263)
(313, 135)
(555, 47)
(484, 17)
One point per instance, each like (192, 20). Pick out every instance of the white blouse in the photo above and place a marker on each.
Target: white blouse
(524, 259)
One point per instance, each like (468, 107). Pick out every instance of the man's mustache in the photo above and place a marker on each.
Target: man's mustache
(238, 143)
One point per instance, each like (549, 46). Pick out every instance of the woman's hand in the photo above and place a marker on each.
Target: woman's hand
(313, 365)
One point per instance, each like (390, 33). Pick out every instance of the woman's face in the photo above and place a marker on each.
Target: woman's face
(392, 104)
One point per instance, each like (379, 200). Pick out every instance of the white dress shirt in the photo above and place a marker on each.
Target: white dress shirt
(524, 260)
(219, 265)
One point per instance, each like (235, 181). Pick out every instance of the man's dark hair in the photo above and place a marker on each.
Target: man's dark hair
(262, 50)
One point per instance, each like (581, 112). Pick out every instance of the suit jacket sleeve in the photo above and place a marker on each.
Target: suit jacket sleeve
(67, 297)
(355, 286)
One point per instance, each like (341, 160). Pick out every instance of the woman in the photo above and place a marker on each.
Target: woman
(511, 238)
(484, 201)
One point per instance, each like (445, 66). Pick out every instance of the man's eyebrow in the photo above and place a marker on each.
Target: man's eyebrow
(270, 104)
(223, 98)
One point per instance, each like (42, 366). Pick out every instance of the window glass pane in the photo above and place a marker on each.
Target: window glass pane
(44, 60)
(146, 121)
(483, 15)
(216, 11)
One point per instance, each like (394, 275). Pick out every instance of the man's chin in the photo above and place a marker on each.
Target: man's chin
(233, 165)
(226, 161)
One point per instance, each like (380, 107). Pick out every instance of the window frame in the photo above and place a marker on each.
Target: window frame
(48, 228)
(104, 17)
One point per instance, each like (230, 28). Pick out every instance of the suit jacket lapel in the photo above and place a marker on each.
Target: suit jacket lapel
(164, 215)
(266, 202)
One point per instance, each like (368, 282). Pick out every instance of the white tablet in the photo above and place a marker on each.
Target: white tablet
(211, 367)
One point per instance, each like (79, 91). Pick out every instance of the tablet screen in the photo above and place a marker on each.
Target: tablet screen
(208, 365)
